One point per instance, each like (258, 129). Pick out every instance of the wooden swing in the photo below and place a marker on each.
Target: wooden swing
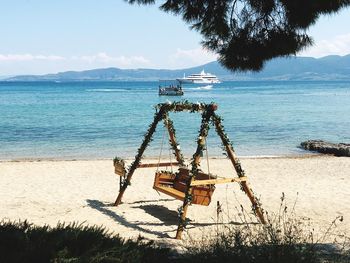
(192, 186)
(175, 185)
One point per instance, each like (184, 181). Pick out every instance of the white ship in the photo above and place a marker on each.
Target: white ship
(201, 78)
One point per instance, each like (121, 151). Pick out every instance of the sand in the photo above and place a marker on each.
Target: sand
(48, 192)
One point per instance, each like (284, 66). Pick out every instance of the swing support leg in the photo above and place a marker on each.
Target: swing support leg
(179, 159)
(195, 165)
(159, 116)
(123, 188)
(181, 226)
(169, 125)
(255, 204)
(236, 164)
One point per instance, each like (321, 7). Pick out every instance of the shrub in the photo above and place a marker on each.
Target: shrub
(24, 242)
(285, 238)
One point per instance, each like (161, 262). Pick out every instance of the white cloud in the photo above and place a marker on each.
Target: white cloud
(339, 45)
(28, 57)
(121, 61)
(15, 64)
(191, 57)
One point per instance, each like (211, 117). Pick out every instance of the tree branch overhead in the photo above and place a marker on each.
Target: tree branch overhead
(247, 33)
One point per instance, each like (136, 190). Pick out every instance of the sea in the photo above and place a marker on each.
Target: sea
(101, 120)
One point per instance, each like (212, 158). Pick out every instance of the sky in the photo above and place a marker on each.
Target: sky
(39, 37)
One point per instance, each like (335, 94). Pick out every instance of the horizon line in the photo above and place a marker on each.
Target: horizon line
(2, 77)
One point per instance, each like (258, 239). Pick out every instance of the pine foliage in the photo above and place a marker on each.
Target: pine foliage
(247, 33)
(23, 242)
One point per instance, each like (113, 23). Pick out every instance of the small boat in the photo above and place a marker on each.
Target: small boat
(201, 78)
(170, 88)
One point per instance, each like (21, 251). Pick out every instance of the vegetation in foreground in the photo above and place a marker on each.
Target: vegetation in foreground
(24, 242)
(285, 239)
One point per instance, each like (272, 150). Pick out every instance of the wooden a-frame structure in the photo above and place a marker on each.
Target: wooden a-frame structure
(191, 186)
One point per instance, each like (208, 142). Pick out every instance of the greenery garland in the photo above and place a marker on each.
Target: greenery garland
(220, 129)
(174, 145)
(183, 105)
(216, 121)
(158, 116)
(203, 133)
(161, 111)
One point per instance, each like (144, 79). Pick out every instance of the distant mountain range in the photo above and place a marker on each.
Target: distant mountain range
(292, 68)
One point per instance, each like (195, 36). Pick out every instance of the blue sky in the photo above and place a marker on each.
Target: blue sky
(40, 37)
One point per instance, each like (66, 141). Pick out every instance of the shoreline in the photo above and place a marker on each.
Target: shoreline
(63, 159)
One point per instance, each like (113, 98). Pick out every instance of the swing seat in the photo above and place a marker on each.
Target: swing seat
(175, 185)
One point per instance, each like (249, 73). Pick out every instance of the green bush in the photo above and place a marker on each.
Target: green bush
(23, 242)
(285, 239)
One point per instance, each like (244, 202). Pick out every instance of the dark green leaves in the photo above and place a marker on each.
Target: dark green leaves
(247, 33)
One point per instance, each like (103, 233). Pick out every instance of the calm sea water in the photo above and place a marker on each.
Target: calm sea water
(104, 119)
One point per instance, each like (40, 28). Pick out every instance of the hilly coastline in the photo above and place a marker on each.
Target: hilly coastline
(291, 68)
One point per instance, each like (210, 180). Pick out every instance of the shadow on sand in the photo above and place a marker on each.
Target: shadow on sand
(170, 217)
(166, 216)
(151, 201)
(104, 209)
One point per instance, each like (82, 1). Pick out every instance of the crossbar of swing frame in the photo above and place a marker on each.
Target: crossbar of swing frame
(219, 181)
(197, 182)
(180, 108)
(150, 165)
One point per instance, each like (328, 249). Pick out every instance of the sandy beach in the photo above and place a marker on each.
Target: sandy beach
(48, 192)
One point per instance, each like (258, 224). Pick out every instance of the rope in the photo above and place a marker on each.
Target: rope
(207, 154)
(171, 161)
(167, 126)
(206, 151)
(161, 150)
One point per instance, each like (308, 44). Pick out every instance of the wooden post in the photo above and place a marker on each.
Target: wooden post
(181, 226)
(186, 202)
(173, 141)
(196, 162)
(159, 116)
(236, 164)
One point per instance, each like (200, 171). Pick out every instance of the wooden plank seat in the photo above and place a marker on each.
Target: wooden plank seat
(175, 185)
(119, 166)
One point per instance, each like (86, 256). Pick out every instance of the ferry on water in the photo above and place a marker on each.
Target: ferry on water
(170, 88)
(201, 78)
